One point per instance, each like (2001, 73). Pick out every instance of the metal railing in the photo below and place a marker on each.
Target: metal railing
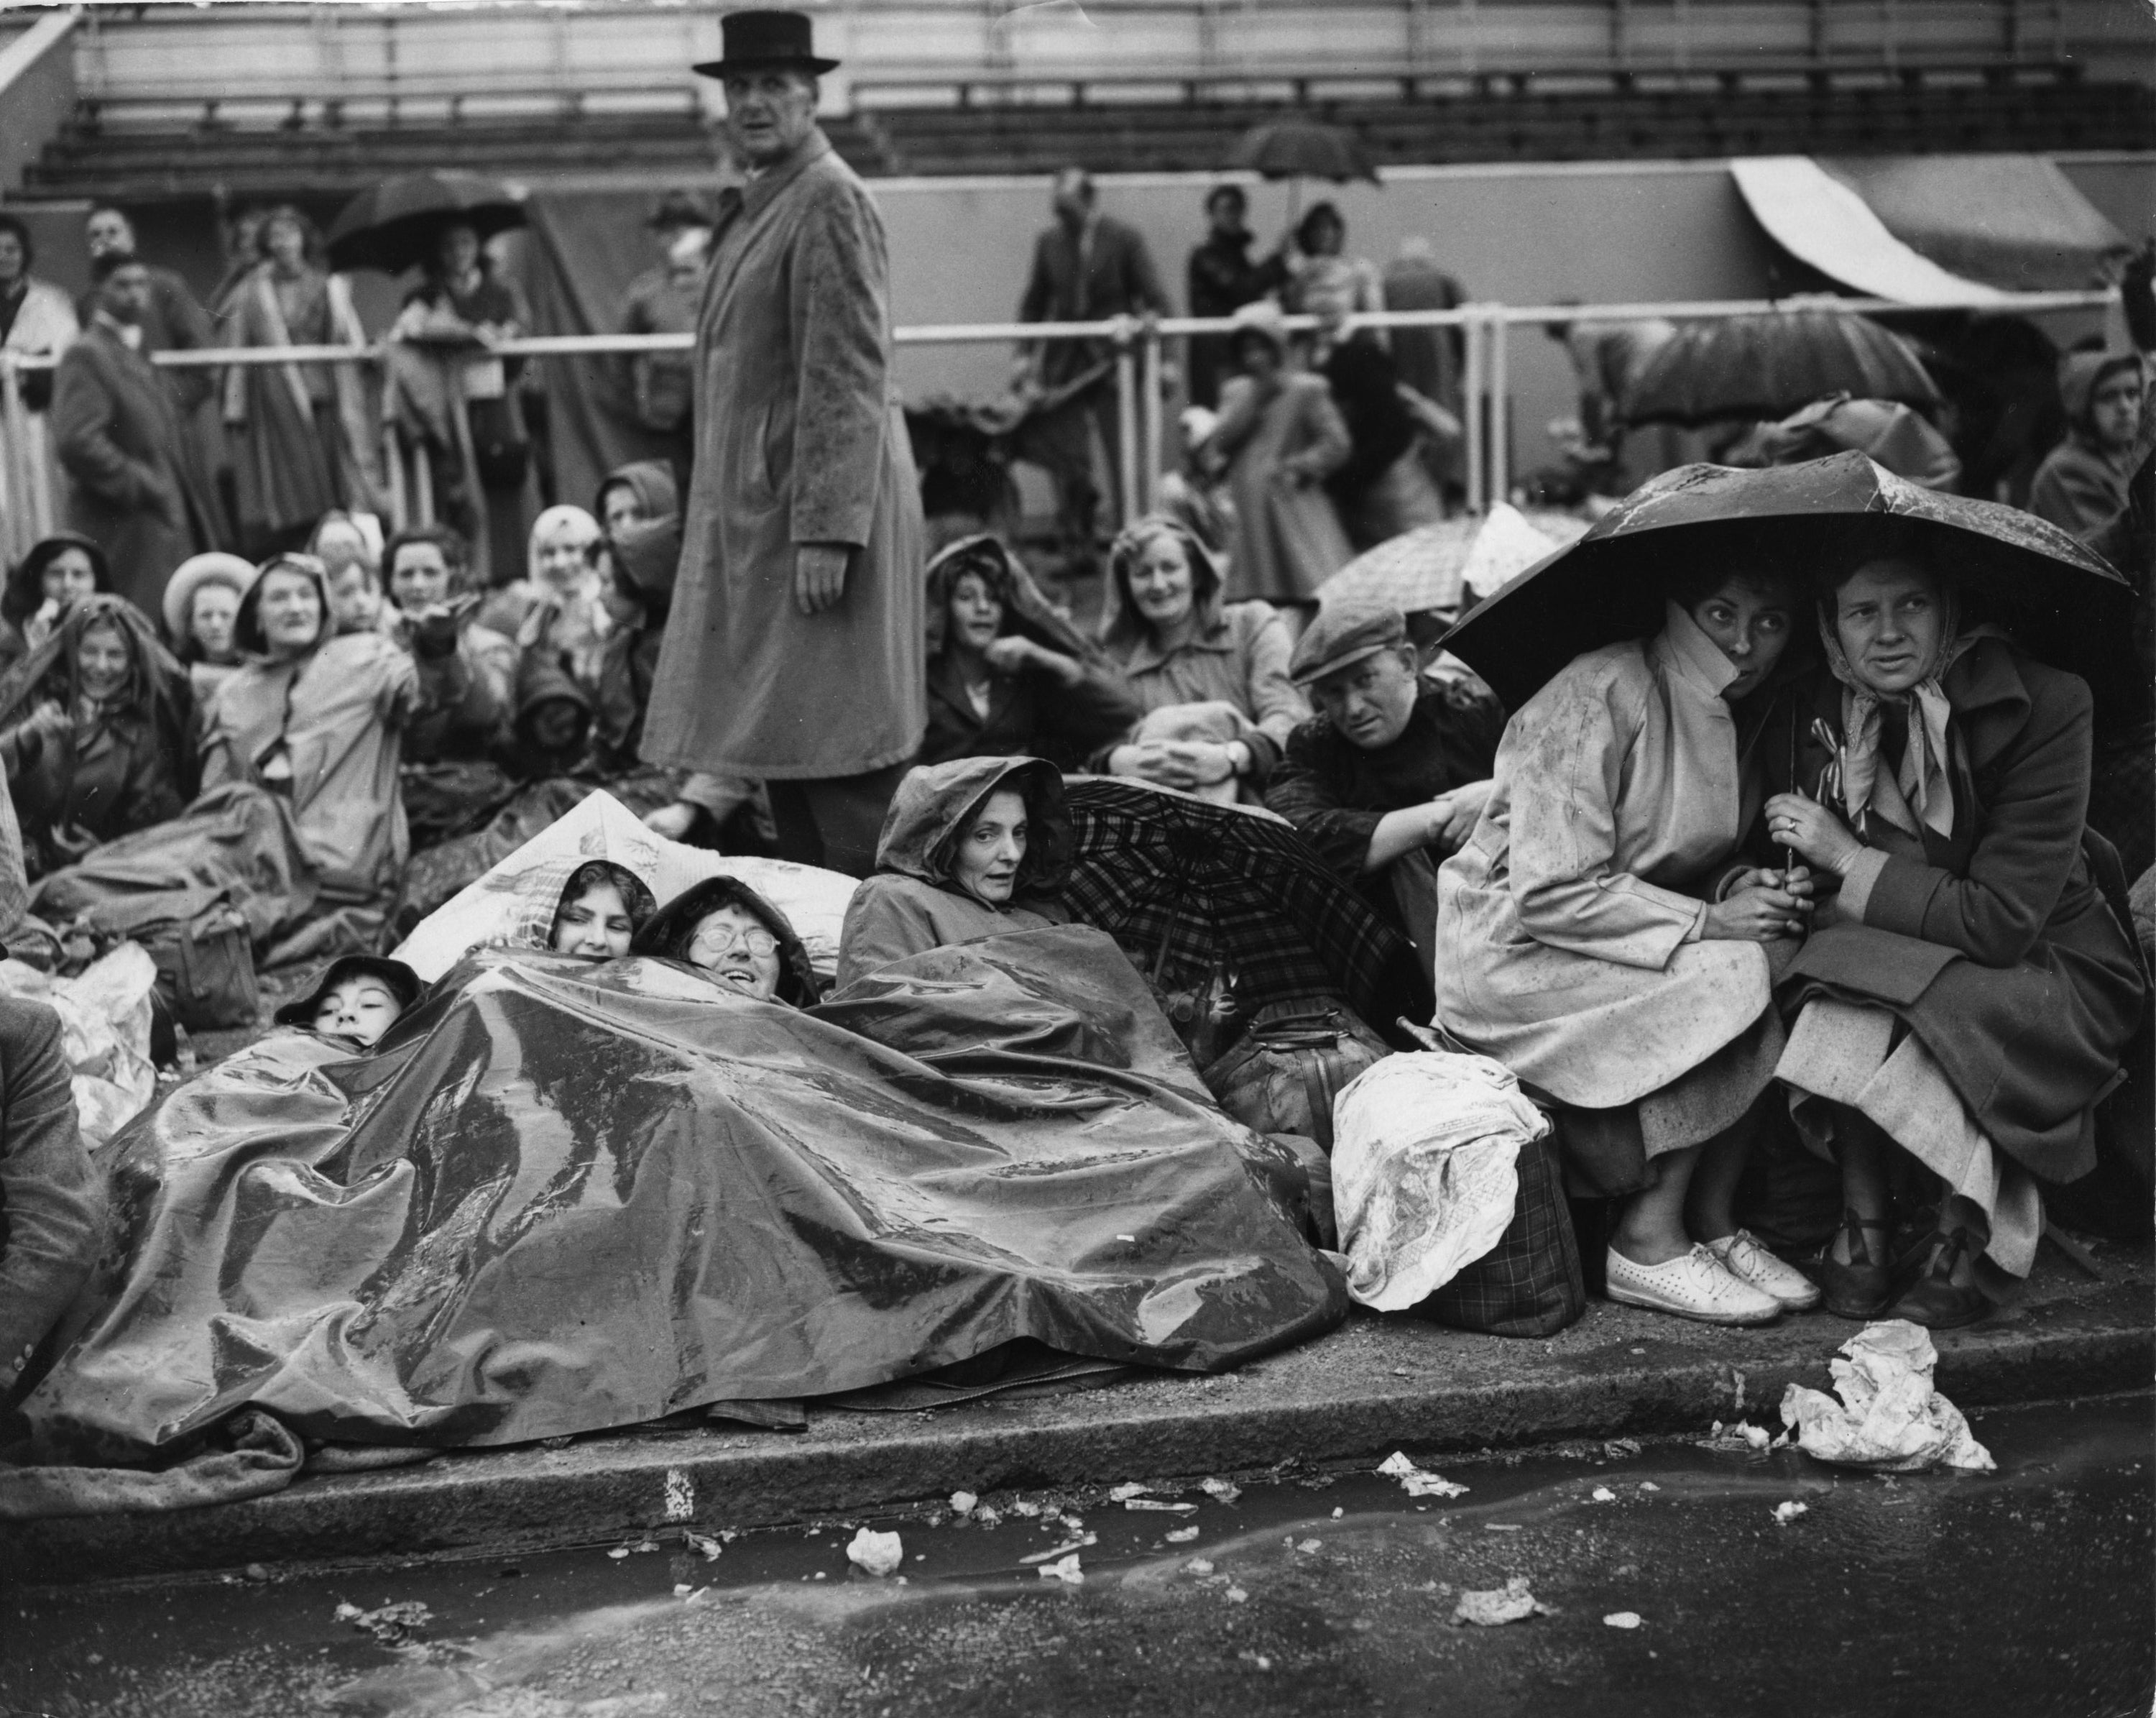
(1138, 365)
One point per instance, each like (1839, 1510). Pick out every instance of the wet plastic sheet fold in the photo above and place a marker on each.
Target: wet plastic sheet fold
(560, 1197)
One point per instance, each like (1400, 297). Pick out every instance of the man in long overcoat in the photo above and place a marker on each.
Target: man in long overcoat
(116, 434)
(795, 650)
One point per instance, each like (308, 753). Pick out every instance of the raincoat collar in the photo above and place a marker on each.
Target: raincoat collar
(758, 194)
(1687, 651)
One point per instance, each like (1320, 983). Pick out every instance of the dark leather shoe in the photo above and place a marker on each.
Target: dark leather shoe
(1934, 1300)
(1860, 1289)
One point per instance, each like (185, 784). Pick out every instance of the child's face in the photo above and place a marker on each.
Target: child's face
(361, 1008)
(555, 725)
(595, 925)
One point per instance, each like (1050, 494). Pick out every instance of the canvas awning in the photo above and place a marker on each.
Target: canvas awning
(1931, 229)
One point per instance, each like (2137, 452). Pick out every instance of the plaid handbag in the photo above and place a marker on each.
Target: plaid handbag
(1529, 1283)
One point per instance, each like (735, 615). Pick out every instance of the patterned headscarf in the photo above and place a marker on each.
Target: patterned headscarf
(1919, 792)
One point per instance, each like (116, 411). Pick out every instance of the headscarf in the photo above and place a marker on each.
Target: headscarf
(550, 524)
(156, 691)
(544, 890)
(1920, 789)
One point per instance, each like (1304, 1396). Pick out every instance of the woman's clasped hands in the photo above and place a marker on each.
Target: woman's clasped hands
(1762, 906)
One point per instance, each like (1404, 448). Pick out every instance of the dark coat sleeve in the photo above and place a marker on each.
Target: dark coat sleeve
(1038, 298)
(52, 1197)
(2026, 849)
(1301, 791)
(1141, 280)
(839, 286)
(83, 409)
(1099, 710)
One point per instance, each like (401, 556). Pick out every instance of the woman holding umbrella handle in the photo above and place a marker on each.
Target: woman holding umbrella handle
(1599, 935)
(1972, 991)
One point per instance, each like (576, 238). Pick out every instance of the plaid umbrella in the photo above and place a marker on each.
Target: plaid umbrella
(1184, 884)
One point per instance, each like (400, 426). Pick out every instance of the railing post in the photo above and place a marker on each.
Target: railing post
(1126, 420)
(1151, 450)
(1501, 435)
(1472, 392)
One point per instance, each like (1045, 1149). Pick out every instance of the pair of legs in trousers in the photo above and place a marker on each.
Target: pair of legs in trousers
(834, 822)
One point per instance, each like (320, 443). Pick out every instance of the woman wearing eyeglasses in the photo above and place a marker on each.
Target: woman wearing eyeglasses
(736, 938)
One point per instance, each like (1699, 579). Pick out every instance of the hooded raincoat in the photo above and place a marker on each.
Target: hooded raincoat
(913, 904)
(2080, 486)
(668, 936)
(801, 439)
(1568, 928)
(324, 732)
(84, 772)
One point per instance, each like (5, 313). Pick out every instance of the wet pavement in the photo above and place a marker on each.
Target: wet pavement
(2029, 1591)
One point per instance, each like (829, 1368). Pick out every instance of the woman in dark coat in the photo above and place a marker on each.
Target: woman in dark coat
(1009, 675)
(95, 733)
(1971, 992)
(973, 848)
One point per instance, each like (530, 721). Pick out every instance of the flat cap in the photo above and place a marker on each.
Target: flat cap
(1343, 634)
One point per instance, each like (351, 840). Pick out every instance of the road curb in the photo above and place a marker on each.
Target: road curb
(1374, 1386)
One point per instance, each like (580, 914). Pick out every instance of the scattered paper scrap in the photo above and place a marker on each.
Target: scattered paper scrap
(1622, 1619)
(1510, 1604)
(1057, 1550)
(1738, 1434)
(877, 1553)
(1649, 1485)
(1200, 1565)
(1124, 1493)
(1417, 1483)
(1785, 1513)
(619, 1552)
(391, 1625)
(1225, 1491)
(1308, 1546)
(1236, 1596)
(1157, 1505)
(1181, 1535)
(1065, 1570)
(1020, 1506)
(1616, 1446)
(1889, 1419)
(1500, 1526)
(962, 1502)
(702, 1544)
(682, 1589)
(1603, 1493)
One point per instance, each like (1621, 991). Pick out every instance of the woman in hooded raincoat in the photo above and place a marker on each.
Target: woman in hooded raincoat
(96, 733)
(1971, 992)
(319, 719)
(727, 931)
(1008, 674)
(1212, 677)
(929, 891)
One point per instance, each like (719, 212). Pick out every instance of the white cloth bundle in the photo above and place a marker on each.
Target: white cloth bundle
(1426, 1170)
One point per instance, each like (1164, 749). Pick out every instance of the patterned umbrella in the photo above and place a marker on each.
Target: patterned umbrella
(1767, 366)
(1185, 885)
(1428, 569)
(2062, 601)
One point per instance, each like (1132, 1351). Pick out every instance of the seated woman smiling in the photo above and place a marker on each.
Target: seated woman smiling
(725, 930)
(972, 848)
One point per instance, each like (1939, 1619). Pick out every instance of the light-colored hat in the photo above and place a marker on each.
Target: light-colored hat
(215, 567)
(1263, 318)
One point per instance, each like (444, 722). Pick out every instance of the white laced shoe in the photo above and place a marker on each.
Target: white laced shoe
(1694, 1285)
(1745, 1259)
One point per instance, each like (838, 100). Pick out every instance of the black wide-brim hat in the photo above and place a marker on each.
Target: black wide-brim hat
(765, 41)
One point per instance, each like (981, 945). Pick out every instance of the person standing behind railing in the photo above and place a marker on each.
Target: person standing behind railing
(298, 432)
(36, 321)
(134, 492)
(1087, 268)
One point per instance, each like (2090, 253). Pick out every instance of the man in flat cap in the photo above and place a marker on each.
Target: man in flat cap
(795, 653)
(1390, 775)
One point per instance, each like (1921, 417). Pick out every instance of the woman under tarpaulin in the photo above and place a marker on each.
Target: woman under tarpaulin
(972, 848)
(724, 929)
(357, 998)
(1008, 674)
(319, 721)
(1212, 677)
(55, 572)
(96, 733)
(1598, 935)
(1971, 992)
(592, 908)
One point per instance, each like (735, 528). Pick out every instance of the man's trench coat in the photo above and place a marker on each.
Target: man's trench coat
(800, 439)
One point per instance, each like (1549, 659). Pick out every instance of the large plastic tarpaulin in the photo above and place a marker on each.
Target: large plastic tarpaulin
(562, 1197)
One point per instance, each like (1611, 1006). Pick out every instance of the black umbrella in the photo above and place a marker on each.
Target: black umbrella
(398, 225)
(1768, 365)
(1301, 149)
(1184, 885)
(2062, 601)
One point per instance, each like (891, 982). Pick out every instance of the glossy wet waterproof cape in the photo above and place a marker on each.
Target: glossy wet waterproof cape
(560, 1197)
